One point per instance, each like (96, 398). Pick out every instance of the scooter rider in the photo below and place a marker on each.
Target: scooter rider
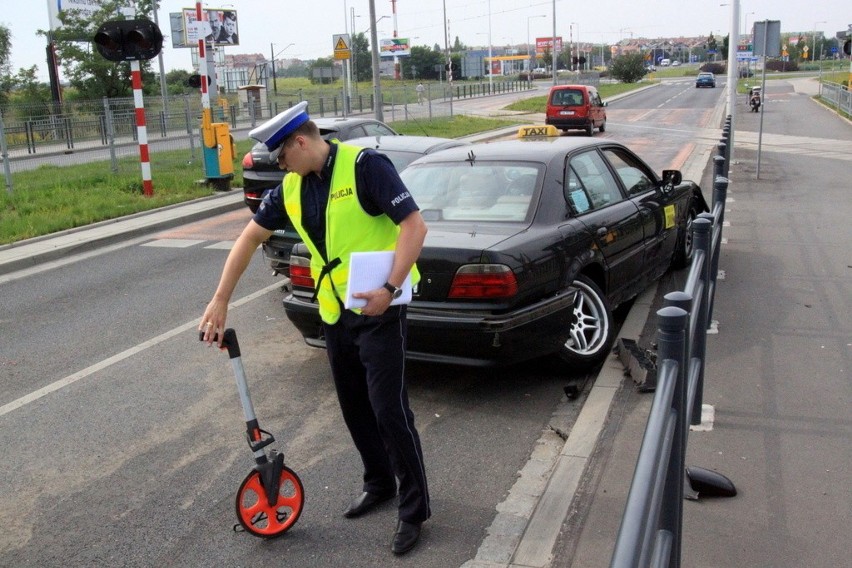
(754, 99)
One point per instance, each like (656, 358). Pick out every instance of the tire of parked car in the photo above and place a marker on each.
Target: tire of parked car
(592, 332)
(685, 247)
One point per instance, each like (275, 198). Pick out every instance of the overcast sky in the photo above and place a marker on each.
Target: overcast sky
(266, 25)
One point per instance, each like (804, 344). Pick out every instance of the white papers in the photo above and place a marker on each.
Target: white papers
(368, 271)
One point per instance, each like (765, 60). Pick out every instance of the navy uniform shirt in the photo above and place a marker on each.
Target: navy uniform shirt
(378, 186)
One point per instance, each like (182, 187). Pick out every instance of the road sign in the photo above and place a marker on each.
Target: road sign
(341, 46)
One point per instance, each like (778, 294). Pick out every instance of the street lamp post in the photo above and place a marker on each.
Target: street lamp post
(490, 54)
(576, 50)
(272, 61)
(745, 28)
(530, 59)
(813, 42)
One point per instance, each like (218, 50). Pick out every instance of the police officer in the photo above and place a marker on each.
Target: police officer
(343, 199)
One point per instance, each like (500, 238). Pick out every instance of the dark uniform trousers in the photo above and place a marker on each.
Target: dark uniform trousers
(367, 356)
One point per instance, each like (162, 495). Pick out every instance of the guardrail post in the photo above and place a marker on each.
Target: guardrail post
(187, 113)
(4, 155)
(720, 195)
(718, 166)
(722, 150)
(110, 135)
(30, 135)
(702, 229)
(670, 345)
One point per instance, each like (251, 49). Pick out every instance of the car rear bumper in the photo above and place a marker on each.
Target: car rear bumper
(568, 122)
(465, 338)
(255, 184)
(278, 247)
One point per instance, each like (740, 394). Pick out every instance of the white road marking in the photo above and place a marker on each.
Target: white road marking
(117, 358)
(221, 245)
(173, 243)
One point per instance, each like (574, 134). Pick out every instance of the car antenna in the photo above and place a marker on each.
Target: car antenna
(471, 157)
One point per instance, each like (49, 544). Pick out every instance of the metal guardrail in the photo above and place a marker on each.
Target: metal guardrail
(838, 96)
(650, 531)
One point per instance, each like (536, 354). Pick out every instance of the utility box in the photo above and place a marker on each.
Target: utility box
(225, 146)
(252, 99)
(218, 150)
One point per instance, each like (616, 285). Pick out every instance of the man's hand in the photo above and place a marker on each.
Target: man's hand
(378, 301)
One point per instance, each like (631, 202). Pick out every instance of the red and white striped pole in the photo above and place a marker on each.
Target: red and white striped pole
(141, 128)
(200, 17)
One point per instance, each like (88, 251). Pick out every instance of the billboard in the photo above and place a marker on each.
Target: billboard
(87, 9)
(394, 46)
(221, 28)
(543, 44)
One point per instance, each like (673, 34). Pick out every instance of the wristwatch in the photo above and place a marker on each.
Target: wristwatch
(395, 292)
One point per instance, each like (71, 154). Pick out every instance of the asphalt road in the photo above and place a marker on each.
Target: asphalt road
(132, 451)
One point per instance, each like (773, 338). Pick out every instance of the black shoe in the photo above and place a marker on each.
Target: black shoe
(405, 537)
(364, 503)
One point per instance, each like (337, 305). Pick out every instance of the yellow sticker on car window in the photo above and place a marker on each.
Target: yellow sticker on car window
(670, 216)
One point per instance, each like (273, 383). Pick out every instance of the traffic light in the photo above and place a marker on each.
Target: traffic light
(847, 46)
(128, 40)
(194, 81)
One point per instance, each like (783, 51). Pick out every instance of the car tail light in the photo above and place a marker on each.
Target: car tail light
(483, 281)
(247, 161)
(300, 272)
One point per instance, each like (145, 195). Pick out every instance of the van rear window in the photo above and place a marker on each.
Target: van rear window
(567, 97)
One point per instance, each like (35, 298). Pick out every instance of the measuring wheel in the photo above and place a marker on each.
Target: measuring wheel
(254, 511)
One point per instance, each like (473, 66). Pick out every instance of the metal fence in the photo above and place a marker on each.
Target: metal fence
(87, 131)
(650, 531)
(838, 96)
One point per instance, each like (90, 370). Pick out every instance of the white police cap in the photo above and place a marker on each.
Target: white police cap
(273, 132)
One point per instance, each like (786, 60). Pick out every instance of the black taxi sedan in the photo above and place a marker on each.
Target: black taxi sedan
(531, 245)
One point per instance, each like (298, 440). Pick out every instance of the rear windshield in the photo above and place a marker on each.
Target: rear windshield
(567, 97)
(486, 191)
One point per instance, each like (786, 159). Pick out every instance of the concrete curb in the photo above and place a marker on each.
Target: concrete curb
(32, 252)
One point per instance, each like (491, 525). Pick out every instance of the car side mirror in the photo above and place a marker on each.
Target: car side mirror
(671, 179)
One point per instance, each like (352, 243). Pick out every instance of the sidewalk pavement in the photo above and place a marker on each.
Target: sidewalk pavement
(784, 443)
(777, 372)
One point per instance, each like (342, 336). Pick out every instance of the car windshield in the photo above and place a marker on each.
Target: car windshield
(485, 191)
(400, 159)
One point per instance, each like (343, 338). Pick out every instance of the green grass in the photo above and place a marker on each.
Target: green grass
(53, 198)
(451, 127)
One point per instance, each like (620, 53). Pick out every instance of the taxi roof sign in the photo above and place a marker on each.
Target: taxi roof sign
(537, 130)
